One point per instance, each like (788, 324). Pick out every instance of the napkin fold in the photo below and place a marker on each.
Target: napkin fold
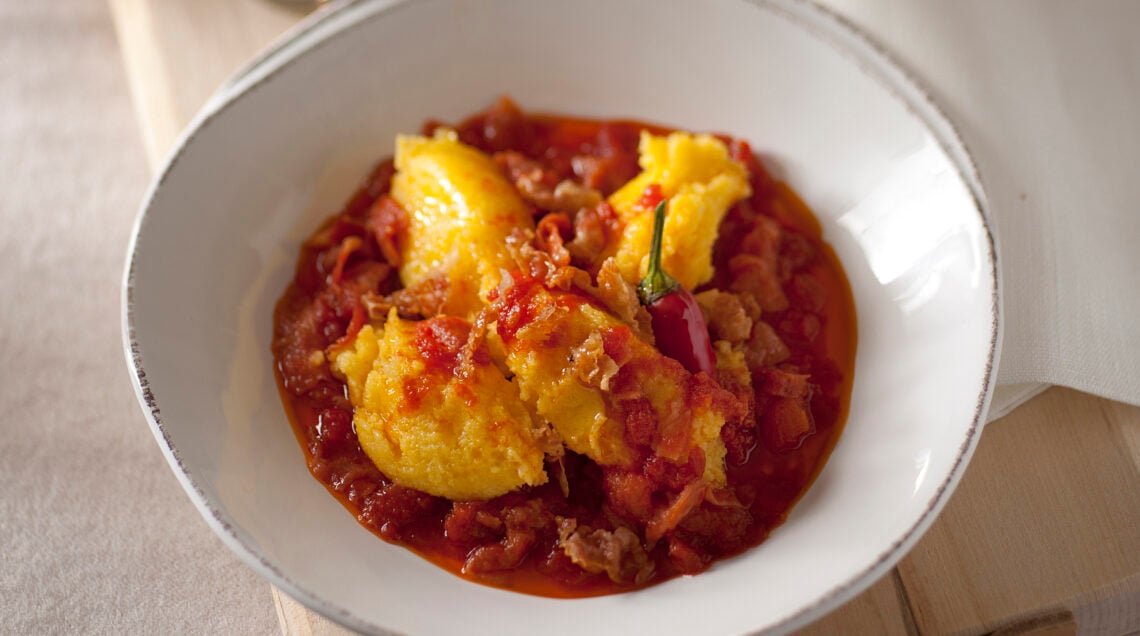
(1046, 96)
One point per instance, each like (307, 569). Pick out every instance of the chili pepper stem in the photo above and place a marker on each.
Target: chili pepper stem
(657, 281)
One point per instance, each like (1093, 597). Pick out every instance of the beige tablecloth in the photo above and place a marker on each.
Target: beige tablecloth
(96, 536)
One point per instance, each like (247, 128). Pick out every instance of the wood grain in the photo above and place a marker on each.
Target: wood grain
(298, 620)
(882, 609)
(1042, 537)
(178, 52)
(1049, 510)
(1060, 624)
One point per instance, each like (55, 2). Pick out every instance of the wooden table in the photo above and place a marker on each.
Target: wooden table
(1041, 537)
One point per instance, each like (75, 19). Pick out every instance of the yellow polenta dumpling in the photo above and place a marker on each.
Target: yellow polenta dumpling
(562, 369)
(426, 428)
(460, 211)
(546, 356)
(701, 182)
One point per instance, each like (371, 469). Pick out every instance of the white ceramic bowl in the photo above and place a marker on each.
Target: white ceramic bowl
(284, 144)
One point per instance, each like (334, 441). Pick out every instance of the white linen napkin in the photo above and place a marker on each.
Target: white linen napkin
(1046, 95)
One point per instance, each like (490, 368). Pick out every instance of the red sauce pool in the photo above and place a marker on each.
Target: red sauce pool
(818, 328)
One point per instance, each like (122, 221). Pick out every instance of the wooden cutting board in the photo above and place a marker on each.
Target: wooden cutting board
(1042, 536)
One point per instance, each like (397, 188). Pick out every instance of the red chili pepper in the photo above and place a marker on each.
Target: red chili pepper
(678, 324)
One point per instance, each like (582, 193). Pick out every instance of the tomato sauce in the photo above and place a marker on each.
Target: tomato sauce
(512, 541)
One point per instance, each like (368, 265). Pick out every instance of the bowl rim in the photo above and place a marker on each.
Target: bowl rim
(822, 23)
